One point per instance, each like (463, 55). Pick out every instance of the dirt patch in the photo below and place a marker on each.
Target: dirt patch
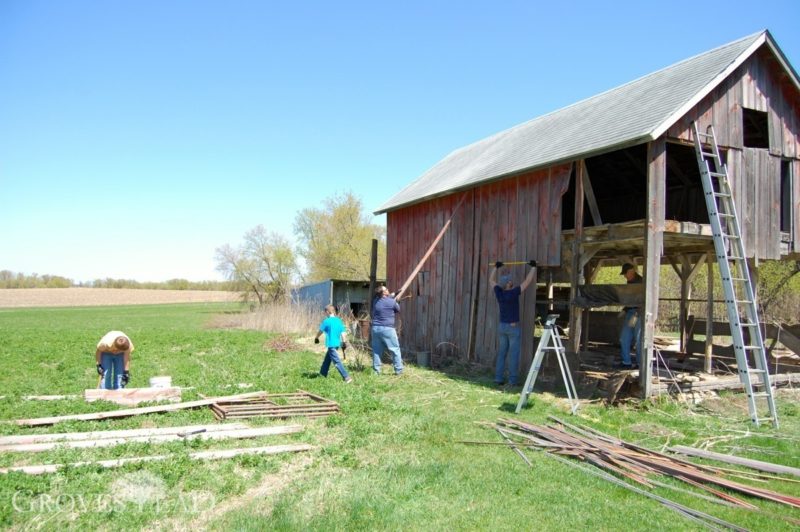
(92, 297)
(265, 492)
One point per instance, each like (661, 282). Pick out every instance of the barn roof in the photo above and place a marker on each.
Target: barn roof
(633, 113)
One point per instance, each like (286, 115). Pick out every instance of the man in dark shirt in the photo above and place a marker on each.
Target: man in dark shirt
(632, 326)
(384, 335)
(508, 331)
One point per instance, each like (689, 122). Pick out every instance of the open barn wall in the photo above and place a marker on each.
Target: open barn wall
(759, 84)
(450, 304)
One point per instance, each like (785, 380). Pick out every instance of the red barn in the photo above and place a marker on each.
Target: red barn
(610, 179)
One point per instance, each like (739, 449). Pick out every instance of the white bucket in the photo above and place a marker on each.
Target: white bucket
(161, 382)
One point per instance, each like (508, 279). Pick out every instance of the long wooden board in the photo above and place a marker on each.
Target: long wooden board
(156, 438)
(203, 455)
(20, 439)
(736, 460)
(113, 414)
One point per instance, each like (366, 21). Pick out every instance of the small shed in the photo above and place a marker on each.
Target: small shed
(349, 296)
(610, 179)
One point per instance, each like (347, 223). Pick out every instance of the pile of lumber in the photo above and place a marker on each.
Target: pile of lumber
(276, 405)
(637, 468)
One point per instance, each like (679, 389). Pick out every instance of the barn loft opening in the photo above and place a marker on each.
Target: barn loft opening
(619, 182)
(755, 128)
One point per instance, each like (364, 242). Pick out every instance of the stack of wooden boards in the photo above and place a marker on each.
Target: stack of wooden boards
(637, 468)
(276, 405)
(35, 443)
(285, 405)
(255, 404)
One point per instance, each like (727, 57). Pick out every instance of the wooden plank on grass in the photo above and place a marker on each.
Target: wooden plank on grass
(126, 433)
(203, 455)
(736, 460)
(133, 396)
(234, 434)
(113, 414)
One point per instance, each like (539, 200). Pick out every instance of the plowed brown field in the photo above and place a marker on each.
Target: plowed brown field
(88, 297)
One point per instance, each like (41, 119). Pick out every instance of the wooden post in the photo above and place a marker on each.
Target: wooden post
(373, 272)
(576, 271)
(654, 238)
(373, 280)
(709, 314)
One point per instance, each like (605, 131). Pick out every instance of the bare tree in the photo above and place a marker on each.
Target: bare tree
(262, 267)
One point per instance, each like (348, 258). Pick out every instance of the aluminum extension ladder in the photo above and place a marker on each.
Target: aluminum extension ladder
(740, 300)
(550, 333)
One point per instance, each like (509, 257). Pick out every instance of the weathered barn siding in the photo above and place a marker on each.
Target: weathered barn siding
(451, 302)
(761, 85)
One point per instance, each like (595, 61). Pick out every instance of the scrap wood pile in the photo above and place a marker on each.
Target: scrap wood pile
(276, 405)
(614, 459)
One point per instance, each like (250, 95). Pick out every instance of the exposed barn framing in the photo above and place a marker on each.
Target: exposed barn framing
(610, 179)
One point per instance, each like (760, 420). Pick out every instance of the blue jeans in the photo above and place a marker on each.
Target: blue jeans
(385, 339)
(112, 365)
(629, 334)
(333, 356)
(509, 345)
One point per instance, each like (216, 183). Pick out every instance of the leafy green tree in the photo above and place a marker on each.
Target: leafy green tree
(262, 267)
(336, 240)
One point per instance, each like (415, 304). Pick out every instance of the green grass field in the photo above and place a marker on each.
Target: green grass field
(390, 461)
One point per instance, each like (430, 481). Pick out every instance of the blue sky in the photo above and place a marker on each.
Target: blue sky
(137, 136)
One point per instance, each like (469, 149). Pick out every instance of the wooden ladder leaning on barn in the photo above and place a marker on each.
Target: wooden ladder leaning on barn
(550, 333)
(740, 300)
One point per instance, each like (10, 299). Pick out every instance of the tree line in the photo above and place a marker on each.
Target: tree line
(333, 242)
(9, 279)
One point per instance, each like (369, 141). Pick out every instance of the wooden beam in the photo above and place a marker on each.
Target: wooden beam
(203, 455)
(736, 460)
(113, 414)
(575, 270)
(590, 198)
(654, 238)
(20, 439)
(234, 434)
(707, 359)
(430, 249)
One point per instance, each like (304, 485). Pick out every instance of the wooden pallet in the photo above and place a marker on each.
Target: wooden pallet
(277, 405)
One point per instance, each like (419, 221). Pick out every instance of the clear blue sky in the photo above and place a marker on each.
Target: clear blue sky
(137, 136)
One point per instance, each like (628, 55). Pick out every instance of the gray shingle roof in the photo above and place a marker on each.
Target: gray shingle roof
(633, 113)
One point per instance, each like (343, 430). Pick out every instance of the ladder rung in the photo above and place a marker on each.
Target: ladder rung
(752, 348)
(710, 154)
(755, 370)
(759, 394)
(717, 174)
(721, 195)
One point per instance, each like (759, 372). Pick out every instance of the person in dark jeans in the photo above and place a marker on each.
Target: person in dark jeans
(508, 331)
(384, 335)
(632, 326)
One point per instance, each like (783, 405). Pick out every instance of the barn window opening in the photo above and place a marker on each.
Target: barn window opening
(755, 128)
(786, 197)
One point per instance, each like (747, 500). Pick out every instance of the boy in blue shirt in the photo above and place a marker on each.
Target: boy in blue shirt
(334, 331)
